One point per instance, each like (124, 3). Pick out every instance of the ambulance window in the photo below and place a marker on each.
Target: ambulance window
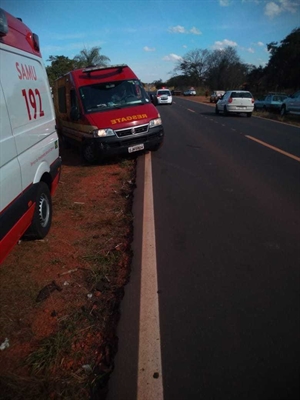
(62, 105)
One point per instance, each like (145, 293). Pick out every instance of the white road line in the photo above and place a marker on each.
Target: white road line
(150, 383)
(191, 110)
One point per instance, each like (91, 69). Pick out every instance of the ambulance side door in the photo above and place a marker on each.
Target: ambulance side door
(10, 172)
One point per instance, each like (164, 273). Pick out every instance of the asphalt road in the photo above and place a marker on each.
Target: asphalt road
(227, 223)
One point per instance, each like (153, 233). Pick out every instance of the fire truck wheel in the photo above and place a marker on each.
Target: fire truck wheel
(42, 216)
(88, 152)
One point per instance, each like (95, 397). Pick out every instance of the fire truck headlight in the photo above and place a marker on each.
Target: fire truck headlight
(155, 122)
(103, 132)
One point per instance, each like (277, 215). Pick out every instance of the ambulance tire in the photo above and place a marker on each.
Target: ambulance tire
(42, 217)
(88, 153)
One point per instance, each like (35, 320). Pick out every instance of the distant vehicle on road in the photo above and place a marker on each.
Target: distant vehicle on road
(176, 92)
(291, 104)
(164, 96)
(237, 102)
(190, 92)
(216, 95)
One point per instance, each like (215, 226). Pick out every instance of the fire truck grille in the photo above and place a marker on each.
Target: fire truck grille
(136, 130)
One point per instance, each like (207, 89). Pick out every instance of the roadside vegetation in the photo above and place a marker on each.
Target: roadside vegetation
(208, 70)
(60, 297)
(287, 119)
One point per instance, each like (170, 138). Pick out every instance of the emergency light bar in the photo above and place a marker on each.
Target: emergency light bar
(98, 68)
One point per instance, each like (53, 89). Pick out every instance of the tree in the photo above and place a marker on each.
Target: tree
(226, 70)
(60, 65)
(92, 57)
(256, 77)
(159, 84)
(194, 65)
(283, 66)
(178, 82)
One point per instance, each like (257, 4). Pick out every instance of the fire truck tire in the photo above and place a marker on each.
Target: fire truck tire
(42, 216)
(88, 153)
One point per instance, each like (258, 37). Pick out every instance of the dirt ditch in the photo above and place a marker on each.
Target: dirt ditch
(60, 297)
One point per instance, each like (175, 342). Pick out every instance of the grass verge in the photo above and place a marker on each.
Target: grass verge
(60, 297)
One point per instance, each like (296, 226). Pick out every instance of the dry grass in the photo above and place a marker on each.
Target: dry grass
(63, 346)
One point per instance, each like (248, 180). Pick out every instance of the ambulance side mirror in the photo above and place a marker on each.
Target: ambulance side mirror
(75, 114)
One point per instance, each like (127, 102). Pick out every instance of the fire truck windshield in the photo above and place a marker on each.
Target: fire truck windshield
(117, 94)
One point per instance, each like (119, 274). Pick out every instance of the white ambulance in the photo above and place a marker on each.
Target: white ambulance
(29, 154)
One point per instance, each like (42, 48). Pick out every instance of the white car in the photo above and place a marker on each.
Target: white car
(291, 104)
(236, 102)
(190, 92)
(164, 96)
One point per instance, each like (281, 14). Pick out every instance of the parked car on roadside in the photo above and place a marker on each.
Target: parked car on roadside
(164, 96)
(291, 104)
(190, 92)
(106, 112)
(176, 92)
(237, 102)
(259, 104)
(216, 95)
(272, 102)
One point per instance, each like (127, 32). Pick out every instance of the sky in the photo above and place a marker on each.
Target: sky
(152, 36)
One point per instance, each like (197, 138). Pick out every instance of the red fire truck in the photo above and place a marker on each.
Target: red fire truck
(106, 112)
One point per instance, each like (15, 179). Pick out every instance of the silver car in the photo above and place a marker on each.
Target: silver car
(272, 102)
(291, 104)
(236, 102)
(190, 92)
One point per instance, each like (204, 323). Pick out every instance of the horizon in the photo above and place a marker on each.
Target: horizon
(153, 36)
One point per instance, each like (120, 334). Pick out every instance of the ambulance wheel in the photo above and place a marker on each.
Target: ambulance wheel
(88, 153)
(42, 216)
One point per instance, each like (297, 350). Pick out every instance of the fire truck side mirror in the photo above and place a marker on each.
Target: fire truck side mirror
(154, 99)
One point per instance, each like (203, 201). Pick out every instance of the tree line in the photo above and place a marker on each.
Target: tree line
(213, 70)
(60, 65)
